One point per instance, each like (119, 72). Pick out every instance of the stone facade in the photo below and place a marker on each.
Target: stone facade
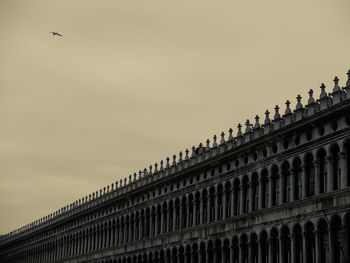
(277, 192)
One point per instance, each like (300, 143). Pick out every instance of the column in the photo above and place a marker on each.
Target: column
(271, 191)
(281, 249)
(208, 207)
(201, 217)
(304, 183)
(317, 246)
(155, 222)
(343, 172)
(135, 227)
(304, 246)
(232, 201)
(242, 200)
(194, 216)
(282, 193)
(224, 196)
(317, 177)
(260, 194)
(180, 215)
(293, 175)
(231, 252)
(140, 226)
(174, 216)
(162, 220)
(188, 219)
(260, 249)
(292, 249)
(329, 168)
(270, 250)
(250, 252)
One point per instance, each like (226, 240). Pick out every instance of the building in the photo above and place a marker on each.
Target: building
(277, 192)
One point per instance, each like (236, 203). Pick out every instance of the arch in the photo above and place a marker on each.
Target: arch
(309, 175)
(285, 244)
(212, 197)
(323, 240)
(219, 201)
(310, 241)
(335, 176)
(254, 247)
(336, 238)
(245, 194)
(236, 196)
(275, 185)
(244, 247)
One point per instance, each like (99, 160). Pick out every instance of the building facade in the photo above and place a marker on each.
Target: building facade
(276, 192)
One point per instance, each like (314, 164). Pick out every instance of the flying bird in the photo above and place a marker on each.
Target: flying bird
(56, 34)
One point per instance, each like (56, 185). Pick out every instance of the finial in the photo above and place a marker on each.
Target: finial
(130, 178)
(323, 91)
(257, 124)
(120, 183)
(230, 137)
(193, 154)
(277, 114)
(155, 168)
(140, 174)
(180, 157)
(288, 110)
(348, 81)
(336, 85)
(116, 185)
(144, 172)
(299, 105)
(247, 126)
(167, 162)
(267, 117)
(214, 142)
(104, 190)
(208, 144)
(186, 154)
(222, 141)
(150, 169)
(311, 98)
(112, 187)
(174, 160)
(161, 165)
(135, 175)
(125, 181)
(239, 132)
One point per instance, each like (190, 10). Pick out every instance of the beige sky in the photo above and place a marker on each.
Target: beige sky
(132, 82)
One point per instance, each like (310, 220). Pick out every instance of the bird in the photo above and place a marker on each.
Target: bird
(56, 34)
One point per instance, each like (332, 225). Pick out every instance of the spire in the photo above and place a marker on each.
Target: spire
(193, 154)
(277, 114)
(311, 98)
(336, 84)
(161, 168)
(155, 168)
(257, 124)
(267, 117)
(299, 105)
(150, 169)
(186, 154)
(323, 91)
(239, 132)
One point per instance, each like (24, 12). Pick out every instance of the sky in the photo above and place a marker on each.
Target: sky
(132, 82)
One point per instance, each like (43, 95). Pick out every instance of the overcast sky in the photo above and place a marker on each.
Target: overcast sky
(132, 82)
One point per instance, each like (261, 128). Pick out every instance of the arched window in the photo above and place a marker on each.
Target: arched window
(184, 213)
(198, 208)
(190, 210)
(171, 215)
(310, 175)
(204, 206)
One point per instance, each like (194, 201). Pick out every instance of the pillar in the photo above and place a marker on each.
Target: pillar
(317, 177)
(329, 168)
(292, 249)
(304, 182)
(343, 170)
